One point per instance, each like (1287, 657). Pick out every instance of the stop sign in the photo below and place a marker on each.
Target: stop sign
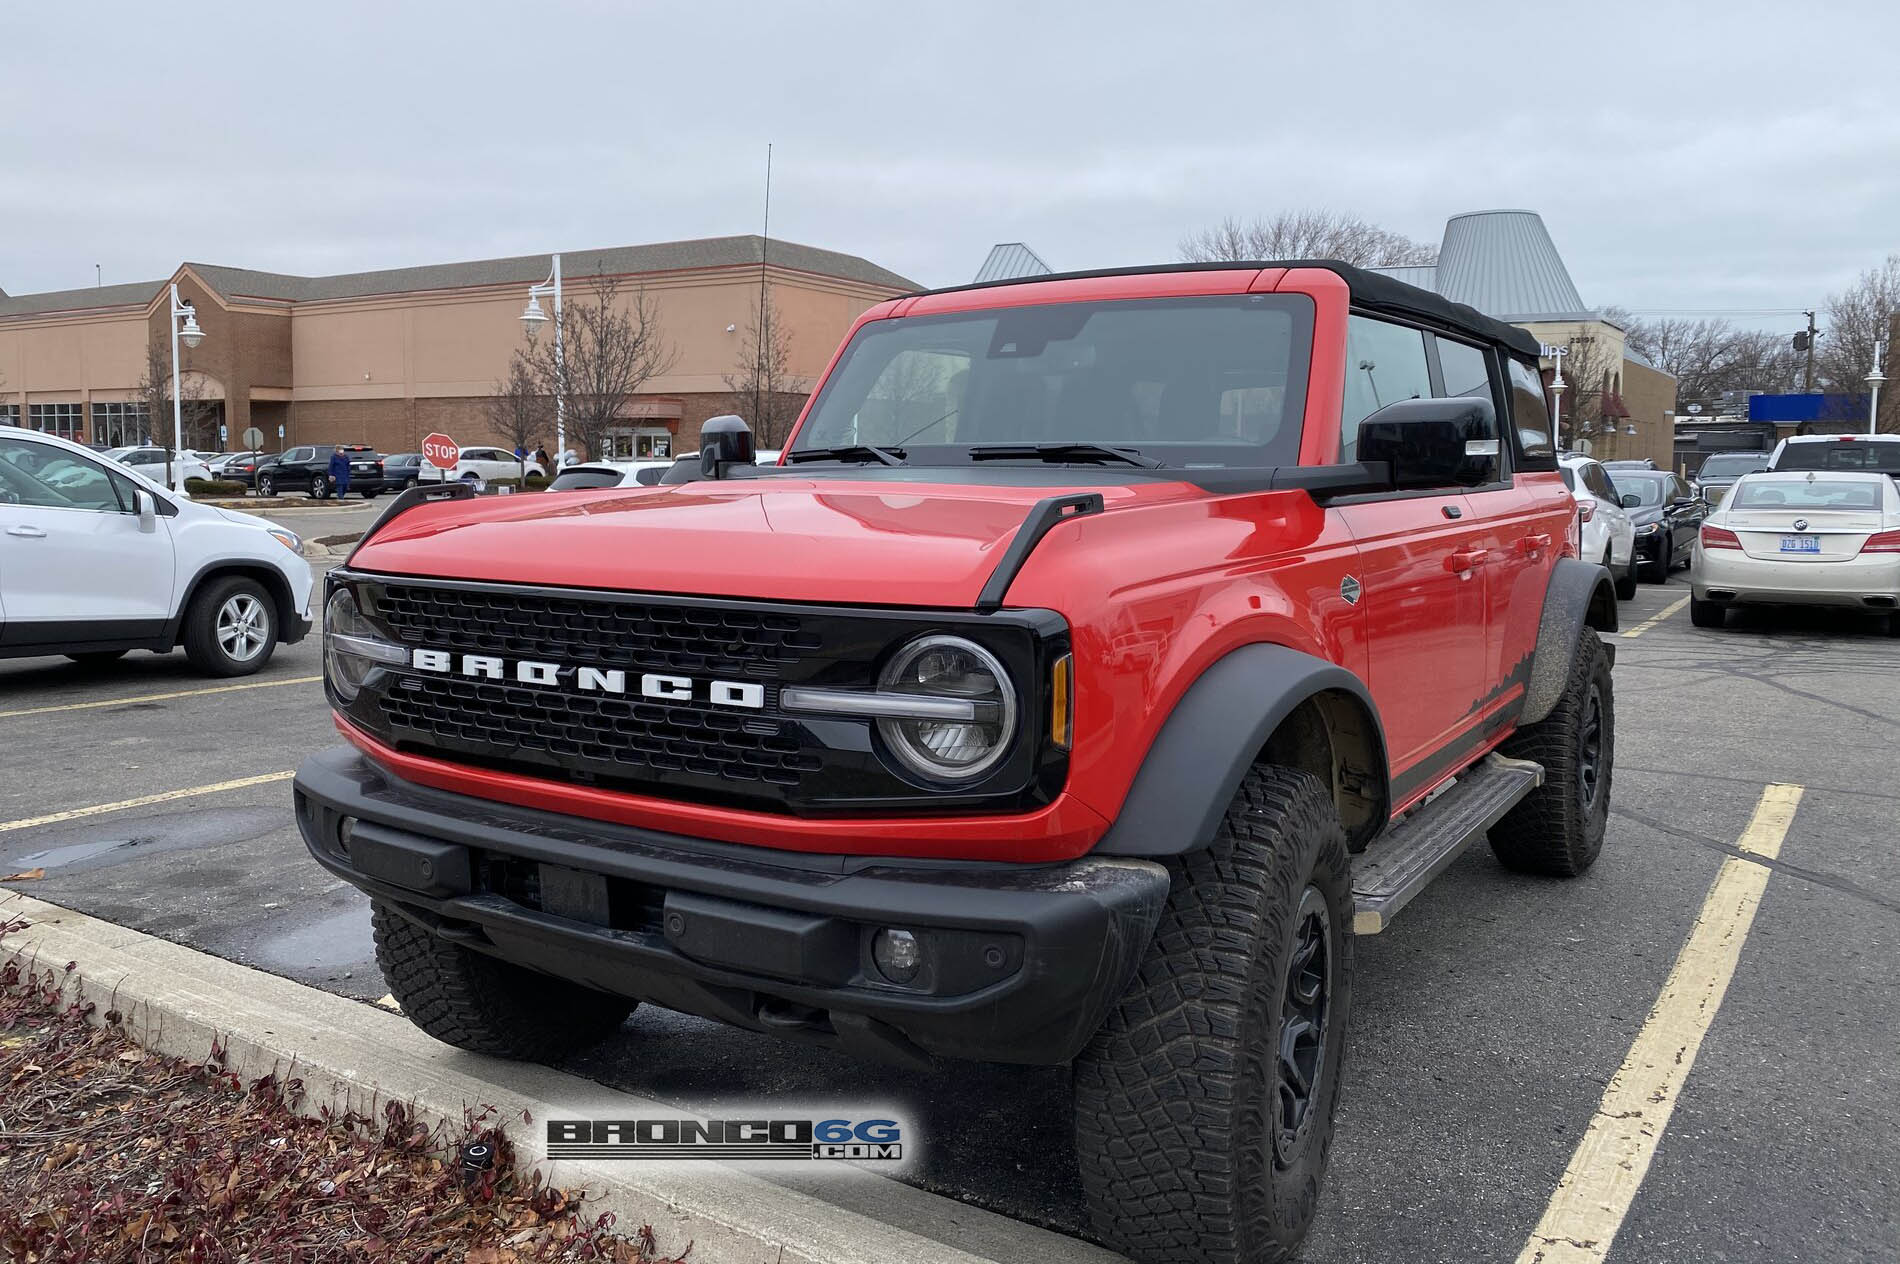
(441, 451)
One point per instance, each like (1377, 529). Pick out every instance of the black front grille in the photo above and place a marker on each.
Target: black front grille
(649, 635)
(589, 732)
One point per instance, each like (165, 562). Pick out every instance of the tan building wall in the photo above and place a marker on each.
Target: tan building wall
(1650, 396)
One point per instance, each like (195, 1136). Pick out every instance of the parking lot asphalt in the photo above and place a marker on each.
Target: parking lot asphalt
(1487, 1021)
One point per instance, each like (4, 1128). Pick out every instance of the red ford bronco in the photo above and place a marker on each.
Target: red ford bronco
(1104, 653)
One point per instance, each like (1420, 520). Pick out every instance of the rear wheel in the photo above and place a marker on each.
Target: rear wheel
(1204, 1106)
(476, 1002)
(1707, 614)
(1558, 828)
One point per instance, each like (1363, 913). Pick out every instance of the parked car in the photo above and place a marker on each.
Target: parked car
(150, 461)
(1719, 471)
(402, 470)
(307, 469)
(592, 474)
(96, 564)
(1878, 453)
(1666, 514)
(478, 465)
(1609, 536)
(1050, 739)
(1630, 463)
(1800, 539)
(237, 467)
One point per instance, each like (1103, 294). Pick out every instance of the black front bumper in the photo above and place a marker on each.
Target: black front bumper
(1022, 962)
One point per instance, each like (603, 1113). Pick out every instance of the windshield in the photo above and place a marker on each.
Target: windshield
(1648, 491)
(1801, 493)
(1733, 465)
(1204, 382)
(1842, 454)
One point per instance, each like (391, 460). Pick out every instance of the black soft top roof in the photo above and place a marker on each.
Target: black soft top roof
(1371, 290)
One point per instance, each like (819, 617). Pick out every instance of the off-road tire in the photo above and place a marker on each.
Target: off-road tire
(97, 658)
(1178, 1098)
(1626, 582)
(203, 643)
(476, 1002)
(1707, 614)
(1557, 829)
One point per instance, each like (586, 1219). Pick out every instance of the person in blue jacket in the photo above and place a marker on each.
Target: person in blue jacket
(340, 473)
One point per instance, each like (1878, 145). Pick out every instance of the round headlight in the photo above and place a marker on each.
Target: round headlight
(345, 632)
(951, 748)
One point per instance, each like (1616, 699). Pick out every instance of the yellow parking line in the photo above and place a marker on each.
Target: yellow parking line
(162, 797)
(1658, 617)
(161, 697)
(1611, 1161)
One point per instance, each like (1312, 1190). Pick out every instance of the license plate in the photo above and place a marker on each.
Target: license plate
(1800, 544)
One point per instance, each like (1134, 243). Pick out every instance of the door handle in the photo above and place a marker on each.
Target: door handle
(30, 533)
(1535, 544)
(1464, 560)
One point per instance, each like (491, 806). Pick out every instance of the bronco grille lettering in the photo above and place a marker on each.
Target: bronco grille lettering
(664, 688)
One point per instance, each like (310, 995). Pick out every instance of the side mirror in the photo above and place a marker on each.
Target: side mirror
(1432, 443)
(724, 441)
(1682, 502)
(1631, 500)
(146, 508)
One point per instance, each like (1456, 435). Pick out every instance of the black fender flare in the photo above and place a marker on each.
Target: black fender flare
(1216, 732)
(1580, 600)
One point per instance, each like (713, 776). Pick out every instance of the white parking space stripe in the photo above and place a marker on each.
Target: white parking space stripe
(161, 697)
(1658, 617)
(165, 796)
(1604, 1174)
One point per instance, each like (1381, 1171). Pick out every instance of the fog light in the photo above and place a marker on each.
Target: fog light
(345, 830)
(898, 954)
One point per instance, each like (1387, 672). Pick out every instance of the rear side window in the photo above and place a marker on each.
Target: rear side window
(1842, 454)
(581, 480)
(1384, 364)
(1531, 416)
(1464, 368)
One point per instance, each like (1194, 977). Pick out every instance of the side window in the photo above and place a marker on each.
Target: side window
(51, 478)
(1384, 363)
(1464, 369)
(1598, 482)
(300, 454)
(1531, 416)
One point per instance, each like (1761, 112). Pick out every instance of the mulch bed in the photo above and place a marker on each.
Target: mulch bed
(109, 1152)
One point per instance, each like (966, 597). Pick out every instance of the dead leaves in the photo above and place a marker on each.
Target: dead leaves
(25, 875)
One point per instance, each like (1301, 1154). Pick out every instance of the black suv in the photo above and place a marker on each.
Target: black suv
(307, 469)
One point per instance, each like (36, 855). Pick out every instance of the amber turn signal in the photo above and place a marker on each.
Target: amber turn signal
(1062, 711)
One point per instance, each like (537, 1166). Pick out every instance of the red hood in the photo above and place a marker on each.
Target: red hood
(860, 542)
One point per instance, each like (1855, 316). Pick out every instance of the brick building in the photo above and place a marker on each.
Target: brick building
(386, 357)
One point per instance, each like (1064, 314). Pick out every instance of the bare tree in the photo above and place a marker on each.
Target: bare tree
(517, 410)
(762, 388)
(1592, 374)
(1711, 360)
(612, 346)
(1856, 318)
(198, 415)
(1306, 234)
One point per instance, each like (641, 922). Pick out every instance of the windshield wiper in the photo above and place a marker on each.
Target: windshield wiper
(1062, 452)
(847, 452)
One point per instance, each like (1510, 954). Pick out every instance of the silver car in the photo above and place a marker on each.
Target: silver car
(1800, 539)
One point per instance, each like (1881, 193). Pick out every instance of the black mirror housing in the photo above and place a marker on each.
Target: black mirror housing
(725, 441)
(1430, 443)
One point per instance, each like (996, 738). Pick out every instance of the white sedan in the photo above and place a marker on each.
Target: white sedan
(1800, 539)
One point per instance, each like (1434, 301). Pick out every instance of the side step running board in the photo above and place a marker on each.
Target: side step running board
(1404, 860)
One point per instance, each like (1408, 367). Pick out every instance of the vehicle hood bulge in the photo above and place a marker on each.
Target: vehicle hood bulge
(915, 544)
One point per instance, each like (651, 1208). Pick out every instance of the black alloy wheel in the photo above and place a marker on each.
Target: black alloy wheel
(1590, 750)
(1304, 1028)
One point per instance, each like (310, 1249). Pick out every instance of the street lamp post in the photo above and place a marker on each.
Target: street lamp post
(191, 336)
(534, 316)
(1556, 354)
(1874, 380)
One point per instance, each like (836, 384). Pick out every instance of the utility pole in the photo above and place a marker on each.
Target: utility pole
(1805, 342)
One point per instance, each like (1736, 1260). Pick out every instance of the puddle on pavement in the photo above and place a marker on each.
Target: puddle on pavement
(98, 846)
(338, 939)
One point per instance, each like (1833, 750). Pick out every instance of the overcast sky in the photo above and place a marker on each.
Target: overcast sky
(1727, 155)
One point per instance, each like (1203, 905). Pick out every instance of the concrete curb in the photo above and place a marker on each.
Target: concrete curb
(178, 1001)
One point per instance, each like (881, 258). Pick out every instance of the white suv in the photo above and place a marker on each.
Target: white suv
(1862, 453)
(96, 560)
(1609, 536)
(478, 465)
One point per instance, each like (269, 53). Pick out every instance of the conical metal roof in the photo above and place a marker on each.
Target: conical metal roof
(1504, 264)
(1009, 260)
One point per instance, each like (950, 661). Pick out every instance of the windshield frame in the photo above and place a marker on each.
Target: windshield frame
(1281, 448)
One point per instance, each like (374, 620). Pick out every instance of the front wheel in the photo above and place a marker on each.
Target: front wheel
(1626, 582)
(320, 487)
(1204, 1106)
(266, 485)
(1558, 828)
(476, 1002)
(231, 627)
